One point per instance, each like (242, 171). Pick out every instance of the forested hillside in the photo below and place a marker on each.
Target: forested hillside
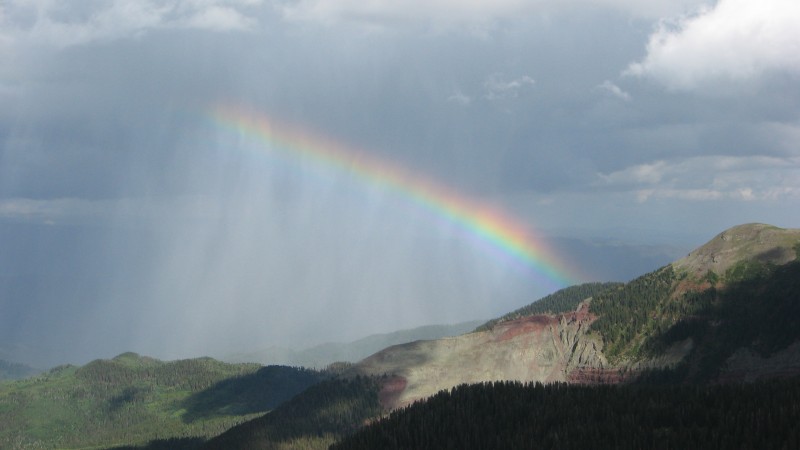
(133, 399)
(561, 301)
(753, 304)
(511, 415)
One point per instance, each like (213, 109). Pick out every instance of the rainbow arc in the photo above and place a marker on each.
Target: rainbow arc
(484, 223)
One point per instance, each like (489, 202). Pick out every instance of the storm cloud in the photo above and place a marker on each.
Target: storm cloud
(131, 220)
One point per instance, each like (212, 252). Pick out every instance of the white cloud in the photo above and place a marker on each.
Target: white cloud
(614, 90)
(706, 178)
(219, 18)
(496, 87)
(640, 174)
(736, 40)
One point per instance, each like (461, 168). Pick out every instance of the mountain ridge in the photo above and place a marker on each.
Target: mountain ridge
(625, 331)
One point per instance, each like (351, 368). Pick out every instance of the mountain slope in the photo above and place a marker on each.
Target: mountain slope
(523, 345)
(739, 291)
(133, 399)
(694, 314)
(561, 301)
(754, 243)
(535, 348)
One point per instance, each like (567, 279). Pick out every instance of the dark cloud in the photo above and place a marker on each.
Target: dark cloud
(159, 224)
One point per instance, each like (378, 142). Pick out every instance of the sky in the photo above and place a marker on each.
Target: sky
(618, 134)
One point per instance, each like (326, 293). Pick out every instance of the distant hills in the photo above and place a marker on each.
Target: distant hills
(322, 355)
(133, 399)
(14, 371)
(621, 355)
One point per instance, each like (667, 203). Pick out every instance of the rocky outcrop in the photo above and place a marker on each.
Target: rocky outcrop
(544, 348)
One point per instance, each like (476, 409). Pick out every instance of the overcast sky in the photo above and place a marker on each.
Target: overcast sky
(130, 220)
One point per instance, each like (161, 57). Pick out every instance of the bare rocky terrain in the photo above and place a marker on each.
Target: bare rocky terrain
(546, 348)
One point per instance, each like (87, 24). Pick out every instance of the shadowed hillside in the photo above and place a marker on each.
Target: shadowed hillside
(312, 420)
(508, 415)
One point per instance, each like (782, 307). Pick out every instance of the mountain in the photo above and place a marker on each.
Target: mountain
(328, 353)
(728, 310)
(654, 362)
(730, 307)
(537, 347)
(15, 371)
(133, 399)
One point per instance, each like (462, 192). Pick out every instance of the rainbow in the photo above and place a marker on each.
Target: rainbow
(487, 225)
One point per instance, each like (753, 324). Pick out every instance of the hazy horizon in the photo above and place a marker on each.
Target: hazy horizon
(617, 135)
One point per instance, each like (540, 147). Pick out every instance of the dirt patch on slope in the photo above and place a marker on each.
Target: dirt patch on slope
(531, 324)
(595, 376)
(390, 392)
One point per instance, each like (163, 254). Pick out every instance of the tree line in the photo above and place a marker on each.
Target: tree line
(514, 415)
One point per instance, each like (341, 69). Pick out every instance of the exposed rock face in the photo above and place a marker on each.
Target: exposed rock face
(541, 348)
(764, 243)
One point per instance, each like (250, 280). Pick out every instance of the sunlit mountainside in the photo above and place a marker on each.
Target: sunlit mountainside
(133, 399)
